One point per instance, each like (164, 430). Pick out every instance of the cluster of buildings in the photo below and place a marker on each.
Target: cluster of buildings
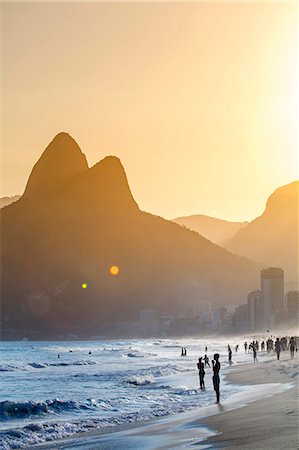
(266, 308)
(270, 306)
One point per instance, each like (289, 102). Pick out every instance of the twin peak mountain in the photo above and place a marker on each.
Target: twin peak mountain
(72, 224)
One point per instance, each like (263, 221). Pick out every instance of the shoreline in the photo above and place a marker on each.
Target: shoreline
(268, 384)
(270, 423)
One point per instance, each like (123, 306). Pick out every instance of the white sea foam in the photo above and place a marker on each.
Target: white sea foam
(77, 392)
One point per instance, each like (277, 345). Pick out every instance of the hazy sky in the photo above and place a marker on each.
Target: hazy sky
(198, 100)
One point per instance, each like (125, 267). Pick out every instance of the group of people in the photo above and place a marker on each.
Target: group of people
(278, 345)
(183, 351)
(216, 369)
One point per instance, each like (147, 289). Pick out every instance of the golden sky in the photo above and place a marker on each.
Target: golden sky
(199, 100)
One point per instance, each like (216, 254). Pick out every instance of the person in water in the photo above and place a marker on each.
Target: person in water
(229, 355)
(206, 360)
(216, 378)
(201, 373)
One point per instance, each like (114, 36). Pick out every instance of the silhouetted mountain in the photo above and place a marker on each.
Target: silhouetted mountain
(5, 201)
(216, 230)
(272, 238)
(72, 224)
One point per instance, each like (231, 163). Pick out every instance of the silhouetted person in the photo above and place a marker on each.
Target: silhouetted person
(245, 346)
(206, 360)
(201, 373)
(263, 346)
(236, 348)
(229, 355)
(58, 356)
(292, 347)
(89, 353)
(216, 378)
(206, 348)
(182, 351)
(185, 351)
(277, 347)
(254, 354)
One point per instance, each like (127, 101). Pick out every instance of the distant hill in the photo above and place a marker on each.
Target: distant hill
(272, 238)
(72, 224)
(216, 230)
(5, 201)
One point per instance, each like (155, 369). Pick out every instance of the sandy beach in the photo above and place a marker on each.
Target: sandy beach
(263, 415)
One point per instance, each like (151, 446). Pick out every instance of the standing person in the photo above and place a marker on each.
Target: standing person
(236, 348)
(216, 378)
(277, 348)
(201, 373)
(182, 351)
(229, 355)
(254, 354)
(206, 348)
(206, 360)
(185, 351)
(292, 347)
(245, 346)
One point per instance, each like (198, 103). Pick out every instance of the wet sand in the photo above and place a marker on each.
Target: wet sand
(271, 423)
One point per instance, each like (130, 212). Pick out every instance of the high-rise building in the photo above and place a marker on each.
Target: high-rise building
(148, 320)
(255, 310)
(272, 292)
(292, 301)
(240, 319)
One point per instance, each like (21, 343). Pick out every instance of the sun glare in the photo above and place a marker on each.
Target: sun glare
(114, 270)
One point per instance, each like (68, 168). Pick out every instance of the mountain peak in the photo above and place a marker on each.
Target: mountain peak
(283, 198)
(108, 179)
(61, 161)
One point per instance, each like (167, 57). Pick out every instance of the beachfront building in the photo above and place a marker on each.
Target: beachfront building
(240, 319)
(254, 310)
(272, 294)
(148, 320)
(292, 304)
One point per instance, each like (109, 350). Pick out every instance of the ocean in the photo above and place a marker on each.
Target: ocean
(96, 384)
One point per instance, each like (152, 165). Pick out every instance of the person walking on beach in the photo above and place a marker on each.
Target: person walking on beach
(201, 373)
(216, 378)
(245, 346)
(277, 348)
(206, 360)
(254, 354)
(229, 355)
(292, 347)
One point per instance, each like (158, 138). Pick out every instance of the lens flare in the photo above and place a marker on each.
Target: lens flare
(84, 285)
(114, 270)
